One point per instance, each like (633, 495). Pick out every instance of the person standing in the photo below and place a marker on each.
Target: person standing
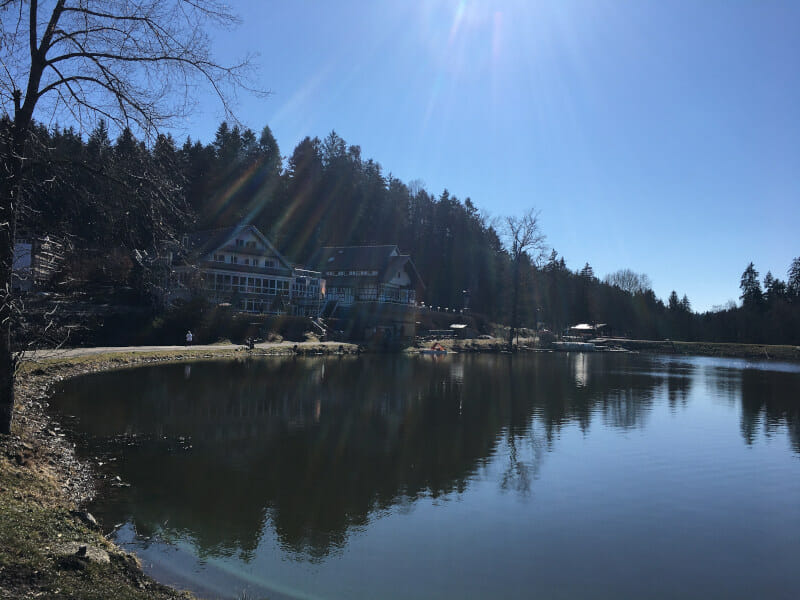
(189, 338)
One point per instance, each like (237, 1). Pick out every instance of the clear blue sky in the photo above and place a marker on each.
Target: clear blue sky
(659, 136)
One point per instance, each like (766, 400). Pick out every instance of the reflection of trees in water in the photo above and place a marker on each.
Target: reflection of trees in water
(317, 446)
(680, 376)
(592, 383)
(724, 383)
(771, 400)
(519, 474)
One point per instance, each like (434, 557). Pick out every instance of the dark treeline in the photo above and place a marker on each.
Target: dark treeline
(118, 199)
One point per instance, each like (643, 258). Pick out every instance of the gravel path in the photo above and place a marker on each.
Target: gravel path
(35, 355)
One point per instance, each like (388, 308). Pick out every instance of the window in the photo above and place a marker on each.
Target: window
(269, 264)
(240, 243)
(247, 261)
(250, 244)
(234, 259)
(368, 292)
(219, 257)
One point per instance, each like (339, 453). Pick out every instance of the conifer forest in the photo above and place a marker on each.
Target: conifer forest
(122, 198)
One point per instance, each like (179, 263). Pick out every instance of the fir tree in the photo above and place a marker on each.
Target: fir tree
(752, 296)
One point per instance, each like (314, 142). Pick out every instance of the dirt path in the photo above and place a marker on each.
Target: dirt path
(269, 347)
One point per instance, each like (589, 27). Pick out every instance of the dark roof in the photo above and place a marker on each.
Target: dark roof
(351, 258)
(363, 258)
(203, 242)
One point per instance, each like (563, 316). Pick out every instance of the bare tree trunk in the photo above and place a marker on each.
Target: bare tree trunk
(514, 306)
(6, 379)
(10, 199)
(6, 313)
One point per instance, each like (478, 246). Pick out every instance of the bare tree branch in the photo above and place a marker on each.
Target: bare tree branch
(524, 240)
(131, 62)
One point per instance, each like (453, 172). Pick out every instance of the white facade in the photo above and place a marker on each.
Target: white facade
(239, 266)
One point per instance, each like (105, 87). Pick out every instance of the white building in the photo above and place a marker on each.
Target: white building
(238, 265)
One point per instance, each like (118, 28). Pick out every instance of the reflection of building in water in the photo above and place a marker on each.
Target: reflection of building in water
(679, 382)
(457, 372)
(580, 364)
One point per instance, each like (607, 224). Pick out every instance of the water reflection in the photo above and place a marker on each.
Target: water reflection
(770, 401)
(215, 452)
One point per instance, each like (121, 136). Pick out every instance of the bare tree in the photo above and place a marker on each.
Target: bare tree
(629, 281)
(135, 63)
(525, 241)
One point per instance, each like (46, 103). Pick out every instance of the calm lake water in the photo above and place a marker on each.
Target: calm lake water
(491, 476)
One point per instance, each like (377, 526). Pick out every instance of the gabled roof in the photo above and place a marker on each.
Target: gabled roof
(384, 259)
(202, 243)
(397, 263)
(352, 258)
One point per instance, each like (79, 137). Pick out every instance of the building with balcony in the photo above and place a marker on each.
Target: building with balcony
(367, 274)
(370, 291)
(239, 265)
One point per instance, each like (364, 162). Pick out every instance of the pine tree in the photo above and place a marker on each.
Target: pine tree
(774, 289)
(270, 153)
(587, 272)
(752, 296)
(793, 279)
(673, 303)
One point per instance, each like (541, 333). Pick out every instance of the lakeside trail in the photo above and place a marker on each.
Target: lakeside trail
(270, 348)
(51, 548)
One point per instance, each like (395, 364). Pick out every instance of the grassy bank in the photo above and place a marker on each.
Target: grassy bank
(49, 547)
(728, 350)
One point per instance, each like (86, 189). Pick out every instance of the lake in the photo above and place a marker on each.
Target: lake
(463, 476)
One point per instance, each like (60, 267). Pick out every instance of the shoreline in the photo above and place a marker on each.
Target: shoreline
(53, 547)
(718, 349)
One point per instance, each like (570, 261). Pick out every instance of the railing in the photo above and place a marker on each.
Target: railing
(393, 298)
(243, 289)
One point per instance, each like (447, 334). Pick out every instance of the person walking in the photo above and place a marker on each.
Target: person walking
(189, 338)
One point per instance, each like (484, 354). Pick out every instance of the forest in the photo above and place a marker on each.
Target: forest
(117, 201)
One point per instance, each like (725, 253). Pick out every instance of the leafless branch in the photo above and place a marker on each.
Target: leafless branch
(132, 62)
(524, 236)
